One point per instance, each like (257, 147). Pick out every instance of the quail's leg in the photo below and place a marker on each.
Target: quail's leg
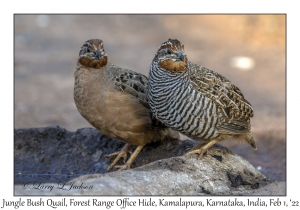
(200, 148)
(120, 154)
(128, 164)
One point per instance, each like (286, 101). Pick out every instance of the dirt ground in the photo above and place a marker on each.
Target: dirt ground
(46, 49)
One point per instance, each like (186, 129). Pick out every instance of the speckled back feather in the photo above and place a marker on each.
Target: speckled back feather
(234, 109)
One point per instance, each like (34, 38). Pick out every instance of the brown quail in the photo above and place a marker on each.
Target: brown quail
(114, 101)
(196, 101)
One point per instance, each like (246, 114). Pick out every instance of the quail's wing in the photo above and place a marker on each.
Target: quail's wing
(132, 83)
(136, 84)
(234, 109)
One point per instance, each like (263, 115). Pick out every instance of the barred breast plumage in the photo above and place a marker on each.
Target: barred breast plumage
(196, 101)
(114, 101)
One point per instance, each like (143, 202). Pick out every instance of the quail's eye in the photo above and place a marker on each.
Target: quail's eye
(88, 50)
(169, 52)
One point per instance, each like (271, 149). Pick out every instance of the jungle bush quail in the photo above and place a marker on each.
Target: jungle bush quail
(114, 101)
(196, 101)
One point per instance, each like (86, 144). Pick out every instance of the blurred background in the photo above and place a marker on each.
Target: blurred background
(249, 50)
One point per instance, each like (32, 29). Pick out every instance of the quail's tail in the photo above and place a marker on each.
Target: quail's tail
(250, 140)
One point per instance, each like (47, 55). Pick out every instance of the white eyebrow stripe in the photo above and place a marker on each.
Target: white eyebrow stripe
(95, 48)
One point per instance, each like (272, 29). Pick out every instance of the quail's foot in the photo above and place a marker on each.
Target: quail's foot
(201, 148)
(123, 153)
(120, 154)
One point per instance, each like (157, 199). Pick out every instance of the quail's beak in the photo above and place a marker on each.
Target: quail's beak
(180, 56)
(98, 54)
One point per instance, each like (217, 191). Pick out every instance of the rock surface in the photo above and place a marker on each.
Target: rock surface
(74, 163)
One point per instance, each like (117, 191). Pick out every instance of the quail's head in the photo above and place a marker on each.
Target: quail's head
(171, 56)
(92, 54)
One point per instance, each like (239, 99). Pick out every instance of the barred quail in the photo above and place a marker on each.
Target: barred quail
(196, 101)
(114, 101)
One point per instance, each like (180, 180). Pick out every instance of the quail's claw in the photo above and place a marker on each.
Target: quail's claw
(201, 149)
(120, 154)
(129, 162)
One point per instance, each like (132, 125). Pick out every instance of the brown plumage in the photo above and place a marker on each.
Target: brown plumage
(113, 100)
(196, 101)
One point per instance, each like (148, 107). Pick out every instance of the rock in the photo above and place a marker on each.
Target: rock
(53, 161)
(274, 189)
